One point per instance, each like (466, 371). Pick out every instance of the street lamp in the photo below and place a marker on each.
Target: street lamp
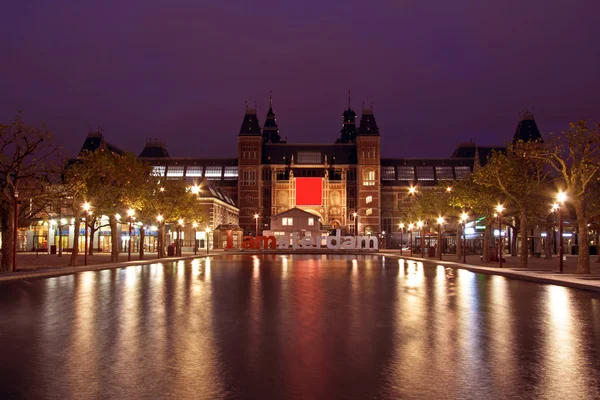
(256, 220)
(195, 225)
(410, 244)
(440, 222)
(463, 219)
(561, 197)
(499, 209)
(401, 226)
(355, 215)
(421, 236)
(86, 208)
(207, 240)
(412, 190)
(131, 213)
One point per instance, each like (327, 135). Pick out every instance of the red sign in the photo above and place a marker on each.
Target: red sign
(309, 191)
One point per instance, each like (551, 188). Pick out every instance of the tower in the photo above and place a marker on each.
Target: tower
(249, 164)
(271, 129)
(527, 130)
(348, 125)
(368, 171)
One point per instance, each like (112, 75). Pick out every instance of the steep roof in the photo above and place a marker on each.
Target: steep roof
(154, 149)
(95, 141)
(527, 130)
(271, 129)
(250, 125)
(282, 153)
(368, 126)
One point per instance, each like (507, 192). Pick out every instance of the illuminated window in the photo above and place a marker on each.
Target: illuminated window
(462, 171)
(194, 171)
(231, 173)
(159, 170)
(425, 173)
(406, 173)
(444, 173)
(287, 221)
(369, 211)
(388, 173)
(213, 172)
(175, 171)
(311, 221)
(369, 177)
(369, 199)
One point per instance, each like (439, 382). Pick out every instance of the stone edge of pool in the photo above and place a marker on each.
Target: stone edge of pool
(572, 281)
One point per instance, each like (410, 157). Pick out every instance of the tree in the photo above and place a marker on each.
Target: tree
(110, 182)
(27, 167)
(575, 155)
(467, 194)
(520, 178)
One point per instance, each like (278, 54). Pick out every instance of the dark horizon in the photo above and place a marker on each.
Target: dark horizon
(182, 71)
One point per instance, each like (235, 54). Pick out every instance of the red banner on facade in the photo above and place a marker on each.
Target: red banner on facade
(309, 191)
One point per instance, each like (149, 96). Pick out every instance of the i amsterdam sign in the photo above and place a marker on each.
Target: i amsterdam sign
(294, 241)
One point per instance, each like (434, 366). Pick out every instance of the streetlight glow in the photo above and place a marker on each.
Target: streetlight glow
(131, 212)
(159, 218)
(412, 190)
(180, 222)
(195, 224)
(440, 220)
(401, 225)
(464, 217)
(499, 208)
(449, 189)
(561, 197)
(86, 206)
(420, 224)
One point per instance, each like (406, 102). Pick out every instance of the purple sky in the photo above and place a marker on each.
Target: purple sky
(181, 70)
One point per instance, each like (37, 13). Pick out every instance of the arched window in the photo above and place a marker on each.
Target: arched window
(369, 177)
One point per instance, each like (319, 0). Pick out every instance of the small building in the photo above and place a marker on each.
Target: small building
(295, 220)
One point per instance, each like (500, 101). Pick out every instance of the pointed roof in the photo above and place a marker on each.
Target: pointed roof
(250, 125)
(527, 130)
(368, 126)
(95, 141)
(271, 129)
(348, 130)
(155, 148)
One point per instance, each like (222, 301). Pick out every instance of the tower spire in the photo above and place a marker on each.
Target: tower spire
(349, 99)
(270, 99)
(271, 129)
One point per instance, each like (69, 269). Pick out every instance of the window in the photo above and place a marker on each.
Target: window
(194, 171)
(425, 173)
(311, 222)
(351, 204)
(352, 175)
(369, 211)
(287, 221)
(369, 177)
(159, 170)
(309, 157)
(444, 173)
(462, 171)
(175, 171)
(388, 173)
(249, 178)
(369, 199)
(231, 173)
(213, 172)
(406, 173)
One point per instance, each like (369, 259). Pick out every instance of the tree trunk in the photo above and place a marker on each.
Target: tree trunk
(583, 260)
(549, 238)
(93, 230)
(142, 237)
(161, 240)
(114, 239)
(514, 240)
(75, 250)
(524, 248)
(487, 238)
(7, 219)
(459, 242)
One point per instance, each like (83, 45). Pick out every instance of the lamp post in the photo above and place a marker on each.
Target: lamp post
(256, 220)
(355, 215)
(178, 243)
(499, 209)
(131, 213)
(207, 241)
(463, 219)
(195, 225)
(15, 230)
(561, 197)
(401, 232)
(410, 244)
(421, 236)
(440, 222)
(159, 219)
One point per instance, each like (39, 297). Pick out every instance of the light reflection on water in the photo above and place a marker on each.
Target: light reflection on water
(299, 326)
